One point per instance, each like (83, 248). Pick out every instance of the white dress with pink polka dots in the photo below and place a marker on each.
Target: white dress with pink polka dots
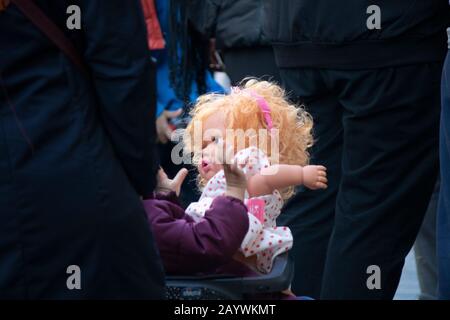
(263, 239)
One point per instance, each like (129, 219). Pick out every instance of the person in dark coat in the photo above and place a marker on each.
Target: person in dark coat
(76, 156)
(237, 26)
(370, 77)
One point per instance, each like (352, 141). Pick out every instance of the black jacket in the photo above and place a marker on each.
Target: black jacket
(73, 200)
(335, 34)
(234, 23)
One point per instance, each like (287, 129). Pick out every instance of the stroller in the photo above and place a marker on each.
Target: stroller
(223, 287)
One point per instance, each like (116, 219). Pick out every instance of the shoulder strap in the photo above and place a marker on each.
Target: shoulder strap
(52, 31)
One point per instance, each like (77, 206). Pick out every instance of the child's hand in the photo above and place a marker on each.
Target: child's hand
(167, 185)
(236, 179)
(315, 177)
(163, 129)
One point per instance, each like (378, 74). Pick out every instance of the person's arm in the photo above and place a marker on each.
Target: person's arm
(203, 16)
(277, 177)
(188, 247)
(117, 53)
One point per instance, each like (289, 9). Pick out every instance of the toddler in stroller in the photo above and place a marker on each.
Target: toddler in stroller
(229, 239)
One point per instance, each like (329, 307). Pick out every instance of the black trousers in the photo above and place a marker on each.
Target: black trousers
(377, 133)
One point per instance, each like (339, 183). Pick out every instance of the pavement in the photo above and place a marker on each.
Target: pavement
(408, 288)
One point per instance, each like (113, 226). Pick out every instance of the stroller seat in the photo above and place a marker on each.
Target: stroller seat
(224, 287)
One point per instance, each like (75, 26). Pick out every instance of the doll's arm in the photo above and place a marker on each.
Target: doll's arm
(277, 177)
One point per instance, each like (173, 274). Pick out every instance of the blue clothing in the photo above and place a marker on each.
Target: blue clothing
(443, 228)
(75, 154)
(166, 97)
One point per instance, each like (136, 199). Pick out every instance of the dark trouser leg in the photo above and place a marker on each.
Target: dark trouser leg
(425, 251)
(390, 165)
(256, 62)
(443, 237)
(310, 214)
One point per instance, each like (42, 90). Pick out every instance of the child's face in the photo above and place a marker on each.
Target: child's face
(213, 131)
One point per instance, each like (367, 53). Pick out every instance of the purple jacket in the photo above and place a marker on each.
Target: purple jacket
(187, 247)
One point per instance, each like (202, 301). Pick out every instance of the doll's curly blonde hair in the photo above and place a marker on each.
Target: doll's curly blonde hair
(242, 111)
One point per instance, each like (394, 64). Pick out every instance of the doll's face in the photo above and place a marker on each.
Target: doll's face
(213, 130)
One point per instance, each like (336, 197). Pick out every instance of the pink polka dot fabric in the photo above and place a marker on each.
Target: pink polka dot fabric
(265, 239)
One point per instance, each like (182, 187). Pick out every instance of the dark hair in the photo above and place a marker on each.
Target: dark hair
(188, 52)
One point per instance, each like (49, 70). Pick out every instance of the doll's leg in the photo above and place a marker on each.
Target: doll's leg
(310, 214)
(390, 165)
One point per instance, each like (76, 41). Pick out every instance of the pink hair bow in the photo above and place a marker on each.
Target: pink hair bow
(262, 103)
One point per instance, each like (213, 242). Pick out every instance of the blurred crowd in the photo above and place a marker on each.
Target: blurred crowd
(375, 97)
(90, 147)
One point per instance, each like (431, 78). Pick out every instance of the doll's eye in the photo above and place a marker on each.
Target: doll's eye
(210, 140)
(217, 139)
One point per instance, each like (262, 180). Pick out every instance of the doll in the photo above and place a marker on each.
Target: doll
(235, 122)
